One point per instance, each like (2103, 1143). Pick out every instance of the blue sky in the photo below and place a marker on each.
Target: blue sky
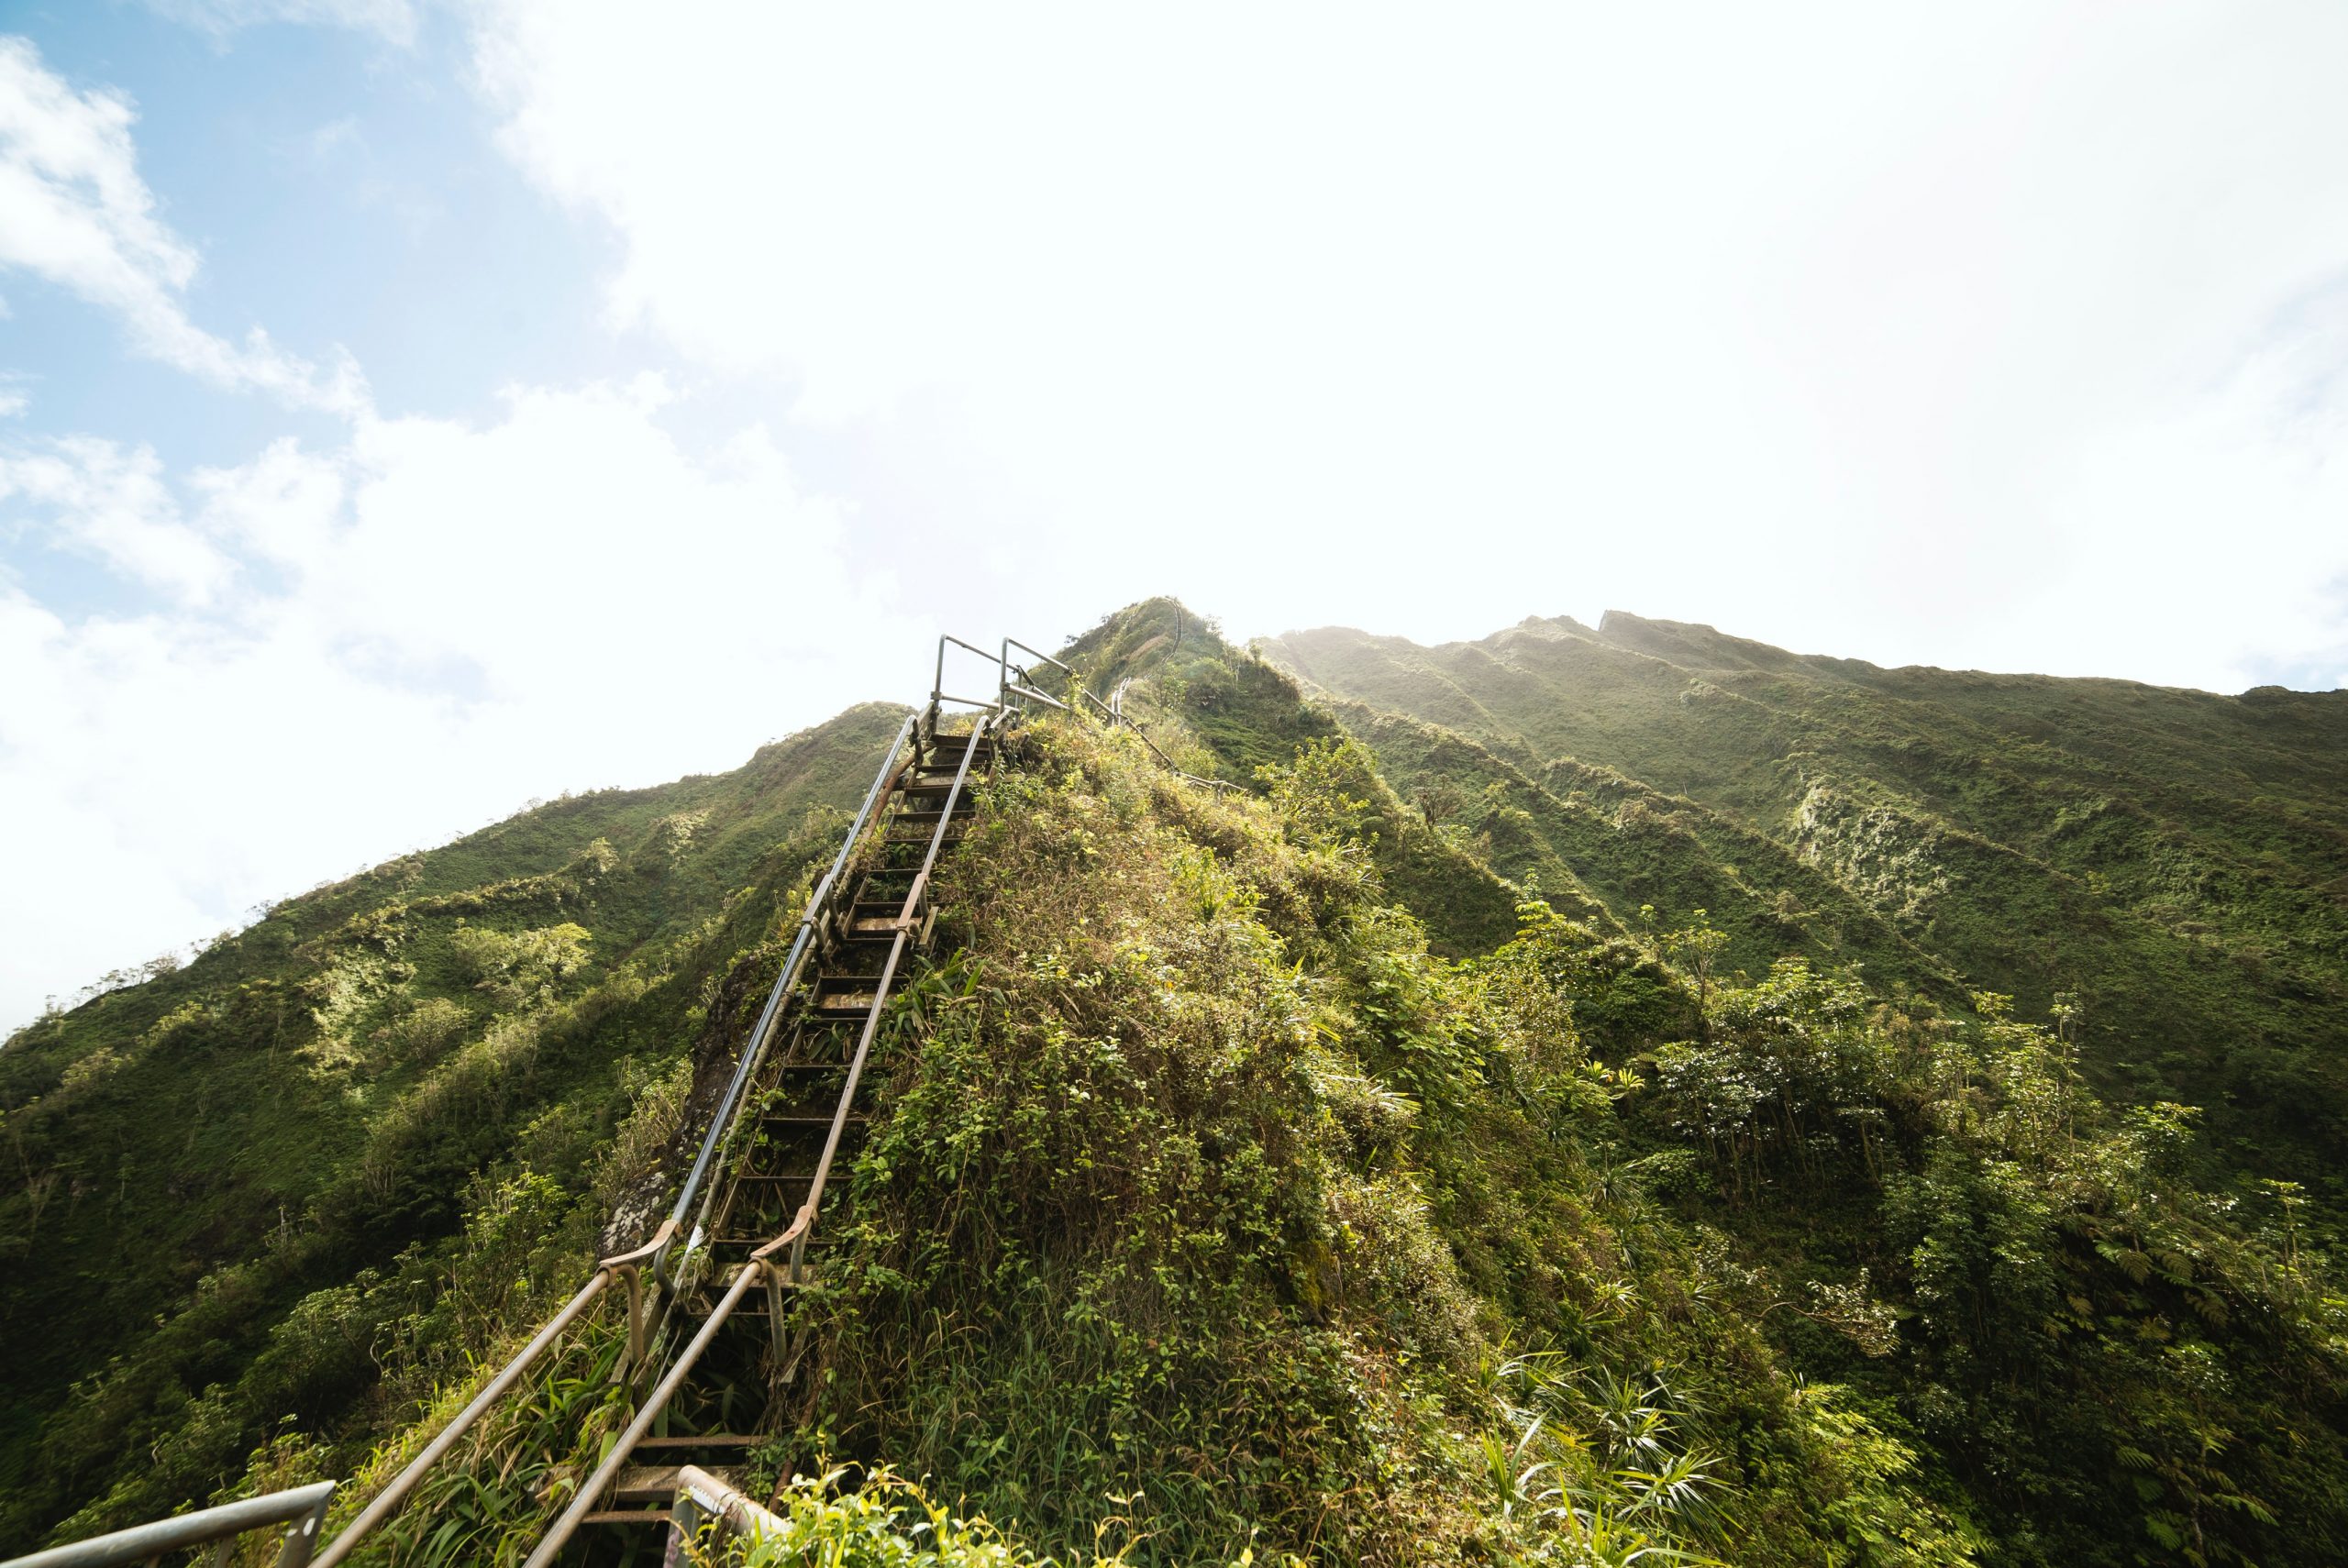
(341, 190)
(618, 386)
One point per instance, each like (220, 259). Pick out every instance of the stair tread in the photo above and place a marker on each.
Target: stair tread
(656, 1483)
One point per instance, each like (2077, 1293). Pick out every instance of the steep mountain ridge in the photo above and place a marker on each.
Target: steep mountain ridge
(2174, 861)
(307, 1103)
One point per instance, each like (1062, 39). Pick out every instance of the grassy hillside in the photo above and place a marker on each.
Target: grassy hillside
(235, 1188)
(1525, 1121)
(2172, 863)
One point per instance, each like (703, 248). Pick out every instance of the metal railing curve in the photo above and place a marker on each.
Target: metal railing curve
(302, 1509)
(1015, 680)
(707, 1502)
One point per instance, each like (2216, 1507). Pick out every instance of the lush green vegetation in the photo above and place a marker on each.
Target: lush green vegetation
(2170, 862)
(1536, 1119)
(238, 1192)
(1211, 1205)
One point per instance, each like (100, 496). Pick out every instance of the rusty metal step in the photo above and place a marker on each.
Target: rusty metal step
(938, 781)
(699, 1441)
(853, 999)
(928, 817)
(657, 1483)
(876, 921)
(920, 839)
(799, 1070)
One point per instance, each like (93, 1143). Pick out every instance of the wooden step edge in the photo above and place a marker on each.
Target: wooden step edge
(706, 1440)
(657, 1483)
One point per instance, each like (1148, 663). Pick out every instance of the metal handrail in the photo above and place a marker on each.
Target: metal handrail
(938, 684)
(656, 1252)
(755, 1050)
(228, 1519)
(904, 923)
(583, 1501)
(700, 1495)
(303, 1508)
(762, 1264)
(387, 1502)
(1113, 710)
(1077, 692)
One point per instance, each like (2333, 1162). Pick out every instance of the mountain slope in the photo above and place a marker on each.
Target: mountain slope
(206, 1159)
(2174, 862)
(1270, 1170)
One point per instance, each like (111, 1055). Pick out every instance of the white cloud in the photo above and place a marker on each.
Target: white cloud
(104, 502)
(392, 20)
(427, 626)
(2220, 533)
(2003, 336)
(75, 212)
(1805, 323)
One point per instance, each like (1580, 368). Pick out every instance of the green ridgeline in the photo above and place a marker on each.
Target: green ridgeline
(1558, 1111)
(2170, 862)
(239, 1187)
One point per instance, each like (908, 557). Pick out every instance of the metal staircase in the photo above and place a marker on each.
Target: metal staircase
(759, 1228)
(708, 1320)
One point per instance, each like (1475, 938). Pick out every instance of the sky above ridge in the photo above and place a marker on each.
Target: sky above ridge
(408, 408)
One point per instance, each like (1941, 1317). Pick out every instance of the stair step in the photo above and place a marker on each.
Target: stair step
(643, 1484)
(846, 1004)
(801, 1069)
(657, 1483)
(842, 982)
(920, 817)
(704, 1439)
